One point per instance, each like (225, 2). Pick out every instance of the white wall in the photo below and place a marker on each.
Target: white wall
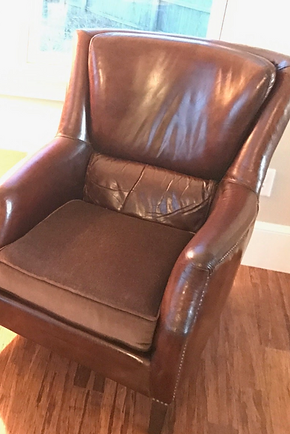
(27, 124)
(258, 22)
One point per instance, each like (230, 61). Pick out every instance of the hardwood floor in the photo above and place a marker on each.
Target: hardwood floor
(243, 385)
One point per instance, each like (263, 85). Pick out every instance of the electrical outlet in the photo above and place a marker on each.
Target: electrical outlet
(268, 183)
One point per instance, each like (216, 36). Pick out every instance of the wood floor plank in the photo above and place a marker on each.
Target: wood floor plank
(243, 385)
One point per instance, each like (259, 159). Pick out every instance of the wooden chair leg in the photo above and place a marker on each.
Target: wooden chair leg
(157, 417)
(82, 376)
(99, 383)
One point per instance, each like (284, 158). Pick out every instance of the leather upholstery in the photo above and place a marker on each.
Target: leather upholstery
(216, 112)
(45, 181)
(182, 106)
(148, 192)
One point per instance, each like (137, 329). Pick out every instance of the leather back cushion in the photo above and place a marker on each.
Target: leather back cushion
(182, 105)
(148, 192)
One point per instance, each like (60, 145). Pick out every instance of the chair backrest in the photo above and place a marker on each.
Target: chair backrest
(169, 117)
(182, 105)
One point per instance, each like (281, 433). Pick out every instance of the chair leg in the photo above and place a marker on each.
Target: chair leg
(99, 383)
(82, 376)
(157, 417)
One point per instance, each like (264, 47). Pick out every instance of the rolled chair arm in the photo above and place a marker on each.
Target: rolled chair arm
(199, 285)
(42, 183)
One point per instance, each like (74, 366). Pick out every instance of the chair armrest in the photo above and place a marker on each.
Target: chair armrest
(42, 183)
(199, 285)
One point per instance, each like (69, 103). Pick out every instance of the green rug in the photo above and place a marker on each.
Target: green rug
(8, 159)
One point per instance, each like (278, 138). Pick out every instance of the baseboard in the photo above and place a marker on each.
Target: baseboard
(269, 247)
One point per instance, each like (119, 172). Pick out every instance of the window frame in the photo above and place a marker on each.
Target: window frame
(22, 77)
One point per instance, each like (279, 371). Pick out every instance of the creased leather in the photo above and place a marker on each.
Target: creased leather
(148, 192)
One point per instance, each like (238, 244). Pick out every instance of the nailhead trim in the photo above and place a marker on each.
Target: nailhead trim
(197, 311)
(186, 343)
(234, 246)
(160, 402)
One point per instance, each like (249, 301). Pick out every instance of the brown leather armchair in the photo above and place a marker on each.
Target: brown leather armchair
(121, 238)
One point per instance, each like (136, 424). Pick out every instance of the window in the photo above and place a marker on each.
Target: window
(58, 19)
(43, 31)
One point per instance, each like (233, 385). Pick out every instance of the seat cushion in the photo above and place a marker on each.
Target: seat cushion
(99, 269)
